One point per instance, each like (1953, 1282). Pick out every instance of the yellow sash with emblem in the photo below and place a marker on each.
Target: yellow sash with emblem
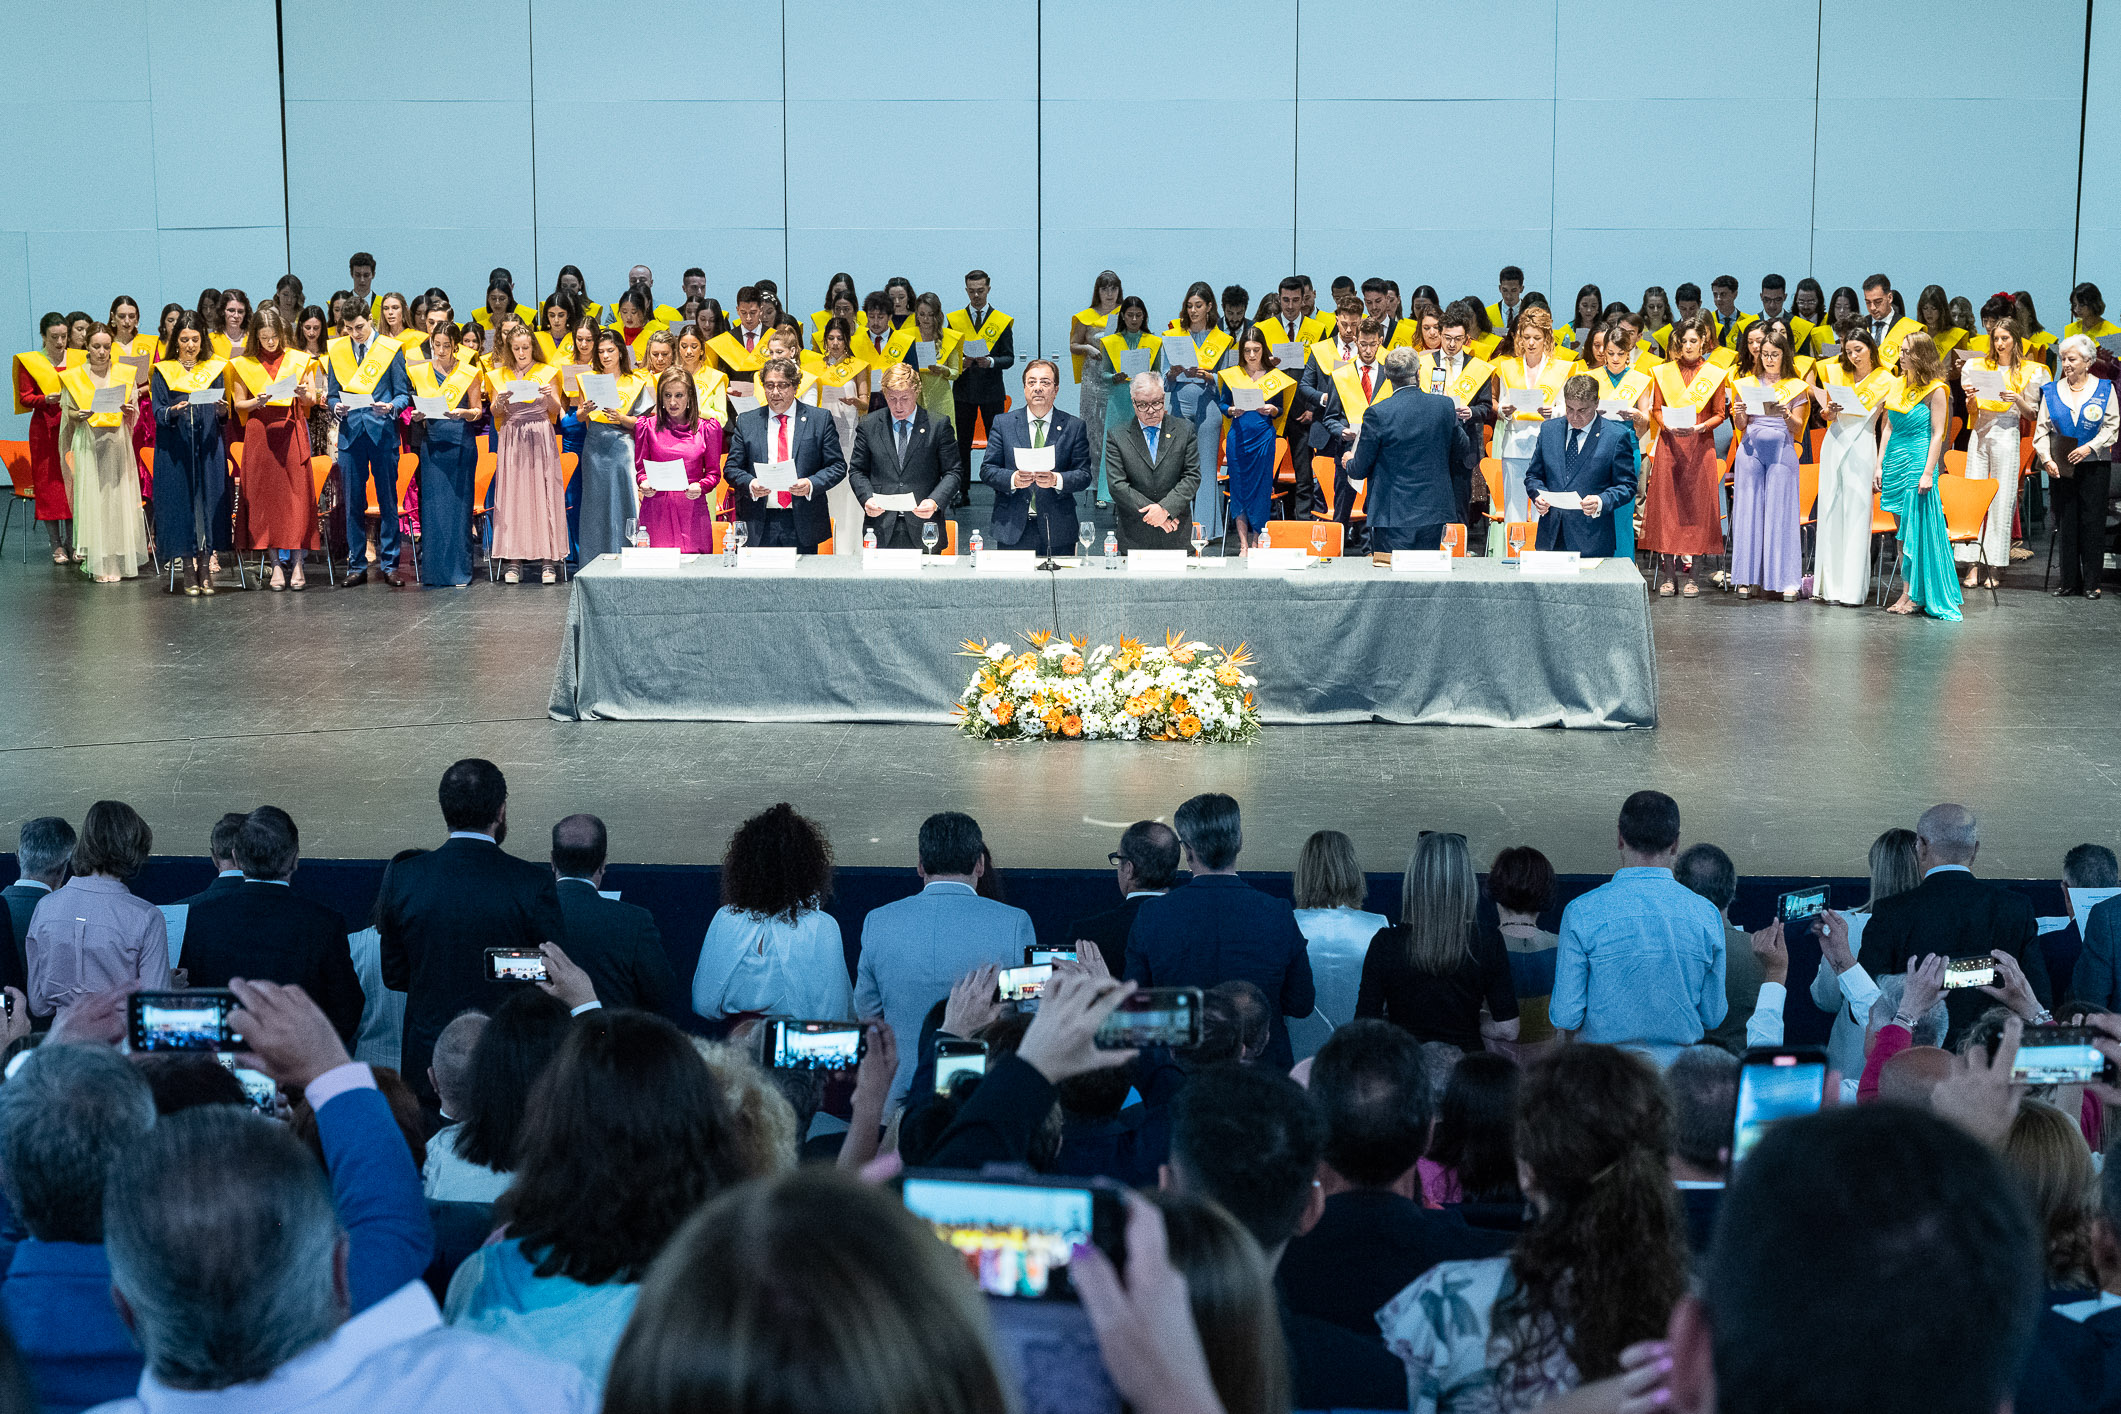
(83, 384)
(1889, 347)
(990, 329)
(1470, 380)
(1950, 339)
(711, 387)
(1787, 391)
(196, 379)
(949, 353)
(498, 380)
(1902, 399)
(1326, 354)
(1116, 344)
(1629, 385)
(1552, 374)
(892, 351)
(1091, 319)
(40, 371)
(2015, 379)
(451, 390)
(1210, 347)
(1270, 385)
(255, 378)
(1347, 380)
(1484, 346)
(730, 352)
(364, 378)
(630, 385)
(485, 316)
(1692, 392)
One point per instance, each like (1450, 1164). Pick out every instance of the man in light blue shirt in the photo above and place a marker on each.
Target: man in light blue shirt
(915, 950)
(1641, 958)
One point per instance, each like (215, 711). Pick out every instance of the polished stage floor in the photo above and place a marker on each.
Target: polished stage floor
(1791, 734)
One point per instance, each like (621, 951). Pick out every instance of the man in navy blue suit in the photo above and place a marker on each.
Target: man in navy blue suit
(786, 431)
(1036, 510)
(1409, 444)
(361, 361)
(1589, 455)
(1218, 928)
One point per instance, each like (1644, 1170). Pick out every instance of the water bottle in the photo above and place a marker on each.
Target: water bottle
(1111, 550)
(869, 538)
(975, 549)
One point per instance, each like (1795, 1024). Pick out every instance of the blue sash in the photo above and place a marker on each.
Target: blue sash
(2079, 427)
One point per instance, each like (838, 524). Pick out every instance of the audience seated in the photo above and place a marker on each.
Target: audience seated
(2076, 1361)
(92, 934)
(1521, 883)
(762, 1124)
(264, 930)
(507, 1058)
(615, 942)
(1703, 1080)
(185, 1080)
(381, 1039)
(1708, 871)
(1250, 1012)
(771, 948)
(1330, 890)
(1471, 1164)
(446, 1176)
(221, 853)
(2096, 979)
(1435, 973)
(1217, 927)
(1840, 986)
(1144, 866)
(2046, 1152)
(1230, 1288)
(41, 852)
(1909, 1012)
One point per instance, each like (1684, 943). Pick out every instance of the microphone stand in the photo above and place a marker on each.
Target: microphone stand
(1045, 535)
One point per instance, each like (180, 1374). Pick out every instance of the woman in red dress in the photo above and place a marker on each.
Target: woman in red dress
(37, 393)
(279, 499)
(1687, 396)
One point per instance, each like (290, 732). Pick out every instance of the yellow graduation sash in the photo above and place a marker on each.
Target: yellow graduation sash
(629, 394)
(1552, 374)
(1270, 387)
(639, 344)
(372, 369)
(1647, 361)
(1116, 344)
(555, 354)
(1689, 393)
(1661, 337)
(947, 352)
(1403, 333)
(498, 378)
(1091, 319)
(990, 329)
(1349, 382)
(1786, 390)
(196, 379)
(451, 391)
(1211, 345)
(1869, 391)
(222, 348)
(1631, 384)
(1318, 326)
(667, 315)
(1326, 354)
(1484, 346)
(1800, 329)
(1889, 348)
(1723, 357)
(2014, 380)
(484, 316)
(1950, 339)
(711, 385)
(83, 384)
(729, 350)
(40, 372)
(2042, 339)
(1901, 398)
(255, 378)
(1467, 385)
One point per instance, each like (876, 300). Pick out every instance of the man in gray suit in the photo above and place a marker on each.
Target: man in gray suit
(902, 451)
(915, 950)
(44, 847)
(1154, 468)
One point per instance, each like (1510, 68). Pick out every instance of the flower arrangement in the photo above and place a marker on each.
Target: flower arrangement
(1062, 688)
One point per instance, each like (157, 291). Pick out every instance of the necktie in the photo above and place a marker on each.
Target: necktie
(1575, 441)
(786, 498)
(1038, 433)
(1149, 435)
(1366, 381)
(750, 338)
(901, 426)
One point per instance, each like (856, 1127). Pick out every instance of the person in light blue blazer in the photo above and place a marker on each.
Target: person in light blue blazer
(915, 950)
(1019, 511)
(1593, 456)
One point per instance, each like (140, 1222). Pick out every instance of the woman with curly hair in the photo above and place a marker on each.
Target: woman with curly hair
(772, 950)
(1600, 1266)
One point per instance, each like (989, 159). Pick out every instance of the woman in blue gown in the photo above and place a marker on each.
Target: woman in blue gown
(191, 474)
(449, 457)
(1248, 456)
(1915, 423)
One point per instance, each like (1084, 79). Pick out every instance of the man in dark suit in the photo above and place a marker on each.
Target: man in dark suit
(616, 943)
(979, 388)
(784, 430)
(1373, 1237)
(440, 911)
(1953, 914)
(1035, 510)
(41, 852)
(1409, 445)
(1445, 369)
(1592, 456)
(1218, 928)
(1145, 866)
(903, 451)
(221, 849)
(1349, 390)
(1153, 465)
(266, 932)
(369, 364)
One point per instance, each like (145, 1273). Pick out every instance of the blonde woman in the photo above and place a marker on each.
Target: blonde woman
(529, 513)
(1330, 893)
(1850, 393)
(944, 348)
(1533, 366)
(2008, 389)
(1767, 548)
(1432, 972)
(1916, 416)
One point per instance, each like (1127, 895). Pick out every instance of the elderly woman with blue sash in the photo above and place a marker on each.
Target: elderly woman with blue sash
(2072, 443)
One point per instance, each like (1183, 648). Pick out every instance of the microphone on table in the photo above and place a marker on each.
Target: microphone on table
(1045, 531)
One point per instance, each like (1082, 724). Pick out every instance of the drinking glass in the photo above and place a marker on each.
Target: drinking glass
(737, 536)
(1318, 539)
(1200, 540)
(631, 527)
(930, 534)
(1086, 535)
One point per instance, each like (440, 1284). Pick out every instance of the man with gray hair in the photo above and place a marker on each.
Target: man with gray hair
(1703, 1080)
(1409, 443)
(43, 848)
(1905, 1034)
(2097, 977)
(447, 1177)
(1953, 914)
(1153, 465)
(221, 852)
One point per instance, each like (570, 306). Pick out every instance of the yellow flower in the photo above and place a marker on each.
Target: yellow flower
(1072, 664)
(1182, 655)
(1053, 719)
(1228, 676)
(1039, 638)
(1189, 726)
(1071, 725)
(1004, 712)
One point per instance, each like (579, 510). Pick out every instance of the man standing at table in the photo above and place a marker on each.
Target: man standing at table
(903, 451)
(1409, 444)
(363, 362)
(1035, 510)
(1153, 463)
(979, 387)
(785, 431)
(1592, 456)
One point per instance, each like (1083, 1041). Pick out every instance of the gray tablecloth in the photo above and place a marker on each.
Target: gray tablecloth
(1351, 642)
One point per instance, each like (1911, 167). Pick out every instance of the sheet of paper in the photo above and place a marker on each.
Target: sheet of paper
(1034, 458)
(1830, 350)
(601, 389)
(1678, 419)
(1565, 500)
(766, 557)
(1248, 399)
(1616, 407)
(570, 376)
(1550, 562)
(1421, 562)
(351, 401)
(1851, 403)
(2081, 903)
(1265, 559)
(109, 399)
(1156, 562)
(1135, 362)
(1005, 562)
(1523, 399)
(925, 354)
(2051, 925)
(902, 501)
(138, 363)
(648, 557)
(1288, 357)
(739, 403)
(1756, 400)
(2111, 343)
(434, 408)
(975, 348)
(526, 390)
(665, 476)
(1181, 351)
(1982, 382)
(893, 561)
(283, 388)
(774, 476)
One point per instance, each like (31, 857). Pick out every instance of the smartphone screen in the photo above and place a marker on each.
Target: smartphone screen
(515, 965)
(1154, 1016)
(954, 1058)
(1043, 957)
(1774, 1086)
(813, 1045)
(259, 1089)
(2059, 1055)
(1970, 972)
(1023, 984)
(1015, 1239)
(181, 1021)
(1803, 903)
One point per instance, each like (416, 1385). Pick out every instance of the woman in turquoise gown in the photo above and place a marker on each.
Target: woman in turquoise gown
(1915, 423)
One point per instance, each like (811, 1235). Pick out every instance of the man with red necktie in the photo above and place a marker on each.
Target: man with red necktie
(785, 432)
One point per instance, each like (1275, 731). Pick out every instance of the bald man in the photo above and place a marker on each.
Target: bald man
(1954, 914)
(1908, 1078)
(616, 943)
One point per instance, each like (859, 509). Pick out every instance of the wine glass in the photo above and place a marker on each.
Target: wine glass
(737, 536)
(1200, 540)
(1318, 539)
(930, 535)
(1086, 536)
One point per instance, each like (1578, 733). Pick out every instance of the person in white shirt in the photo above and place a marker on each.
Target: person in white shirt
(1330, 890)
(447, 1177)
(771, 948)
(41, 852)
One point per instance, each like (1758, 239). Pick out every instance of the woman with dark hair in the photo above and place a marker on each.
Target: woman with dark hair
(499, 308)
(209, 309)
(1655, 314)
(626, 1135)
(129, 341)
(164, 327)
(1599, 1267)
(1130, 332)
(92, 934)
(843, 390)
(604, 469)
(110, 536)
(1248, 453)
(279, 494)
(678, 432)
(1842, 307)
(2039, 343)
(519, 1041)
(191, 476)
(1585, 317)
(1431, 973)
(232, 334)
(1933, 311)
(570, 281)
(1087, 330)
(771, 948)
(637, 321)
(310, 336)
(448, 447)
(899, 288)
(840, 286)
(288, 298)
(1850, 391)
(1472, 1155)
(1681, 518)
(558, 319)
(38, 392)
(1808, 305)
(1521, 883)
(1230, 1288)
(1767, 545)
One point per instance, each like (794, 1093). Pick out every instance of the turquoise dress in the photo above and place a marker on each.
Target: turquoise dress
(1925, 546)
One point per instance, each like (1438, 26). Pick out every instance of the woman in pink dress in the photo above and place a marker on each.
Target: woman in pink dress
(678, 433)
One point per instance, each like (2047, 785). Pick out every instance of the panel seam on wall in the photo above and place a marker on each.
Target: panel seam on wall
(1038, 177)
(787, 216)
(1554, 159)
(530, 37)
(287, 213)
(2084, 100)
(1811, 224)
(1296, 135)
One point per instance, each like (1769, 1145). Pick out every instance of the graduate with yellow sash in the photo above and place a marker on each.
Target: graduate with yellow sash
(1249, 444)
(104, 472)
(449, 456)
(1086, 332)
(1767, 547)
(2001, 387)
(1350, 391)
(191, 501)
(842, 382)
(1682, 517)
(1536, 367)
(605, 466)
(1849, 394)
(987, 344)
(939, 352)
(37, 393)
(1917, 415)
(366, 390)
(1191, 392)
(709, 383)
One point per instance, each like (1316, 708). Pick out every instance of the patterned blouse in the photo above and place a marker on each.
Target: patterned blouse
(1440, 1329)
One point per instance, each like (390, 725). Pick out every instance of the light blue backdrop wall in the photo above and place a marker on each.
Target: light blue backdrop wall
(1625, 143)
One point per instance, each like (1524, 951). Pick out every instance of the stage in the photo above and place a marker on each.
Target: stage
(1790, 734)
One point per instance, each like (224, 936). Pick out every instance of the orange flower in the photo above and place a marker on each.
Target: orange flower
(1248, 702)
(1072, 664)
(1179, 703)
(1189, 726)
(1053, 719)
(1228, 676)
(1071, 725)
(1003, 713)
(1039, 638)
(1182, 655)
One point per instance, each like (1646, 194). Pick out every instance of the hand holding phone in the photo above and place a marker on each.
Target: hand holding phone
(287, 1035)
(515, 965)
(182, 1021)
(1022, 984)
(1017, 1238)
(1157, 1016)
(788, 1044)
(975, 1002)
(1062, 1039)
(1801, 903)
(1979, 971)
(955, 1057)
(2062, 1055)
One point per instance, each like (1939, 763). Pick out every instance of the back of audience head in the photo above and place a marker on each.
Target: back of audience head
(474, 797)
(66, 1117)
(626, 1135)
(808, 1293)
(2046, 1151)
(1230, 1288)
(185, 1080)
(1212, 831)
(2090, 866)
(1947, 834)
(1521, 881)
(1649, 825)
(1372, 1091)
(221, 841)
(990, 883)
(1254, 1014)
(1892, 990)
(1438, 899)
(1703, 1080)
(1912, 1076)
(1096, 1094)
(1250, 1139)
(404, 1111)
(1438, 1060)
(43, 849)
(1922, 1239)
(1221, 1031)
(267, 844)
(1708, 871)
(1892, 862)
(1148, 852)
(449, 1069)
(209, 1312)
(579, 844)
(114, 841)
(950, 846)
(1604, 1260)
(510, 1054)
(762, 1124)
(777, 865)
(1476, 1127)
(1328, 874)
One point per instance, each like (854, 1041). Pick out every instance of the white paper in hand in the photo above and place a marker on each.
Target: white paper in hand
(1034, 458)
(602, 389)
(1248, 399)
(925, 354)
(1180, 351)
(283, 388)
(1288, 355)
(1678, 419)
(739, 403)
(1756, 400)
(1135, 362)
(899, 501)
(351, 401)
(435, 409)
(111, 399)
(1565, 500)
(1616, 407)
(526, 390)
(1982, 382)
(1523, 399)
(665, 476)
(774, 476)
(975, 348)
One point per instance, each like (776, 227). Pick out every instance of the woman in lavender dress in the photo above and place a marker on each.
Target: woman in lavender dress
(1767, 551)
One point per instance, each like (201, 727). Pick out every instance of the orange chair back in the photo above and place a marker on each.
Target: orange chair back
(828, 548)
(1323, 469)
(1491, 473)
(1298, 535)
(1883, 522)
(319, 473)
(16, 455)
(1454, 540)
(979, 431)
(1965, 505)
(1807, 490)
(482, 479)
(1955, 461)
(1817, 437)
(1284, 469)
(567, 465)
(235, 454)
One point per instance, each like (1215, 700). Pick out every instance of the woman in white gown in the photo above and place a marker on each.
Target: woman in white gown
(1850, 391)
(103, 474)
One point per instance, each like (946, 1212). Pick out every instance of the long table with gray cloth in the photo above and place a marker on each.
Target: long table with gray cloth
(1345, 641)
